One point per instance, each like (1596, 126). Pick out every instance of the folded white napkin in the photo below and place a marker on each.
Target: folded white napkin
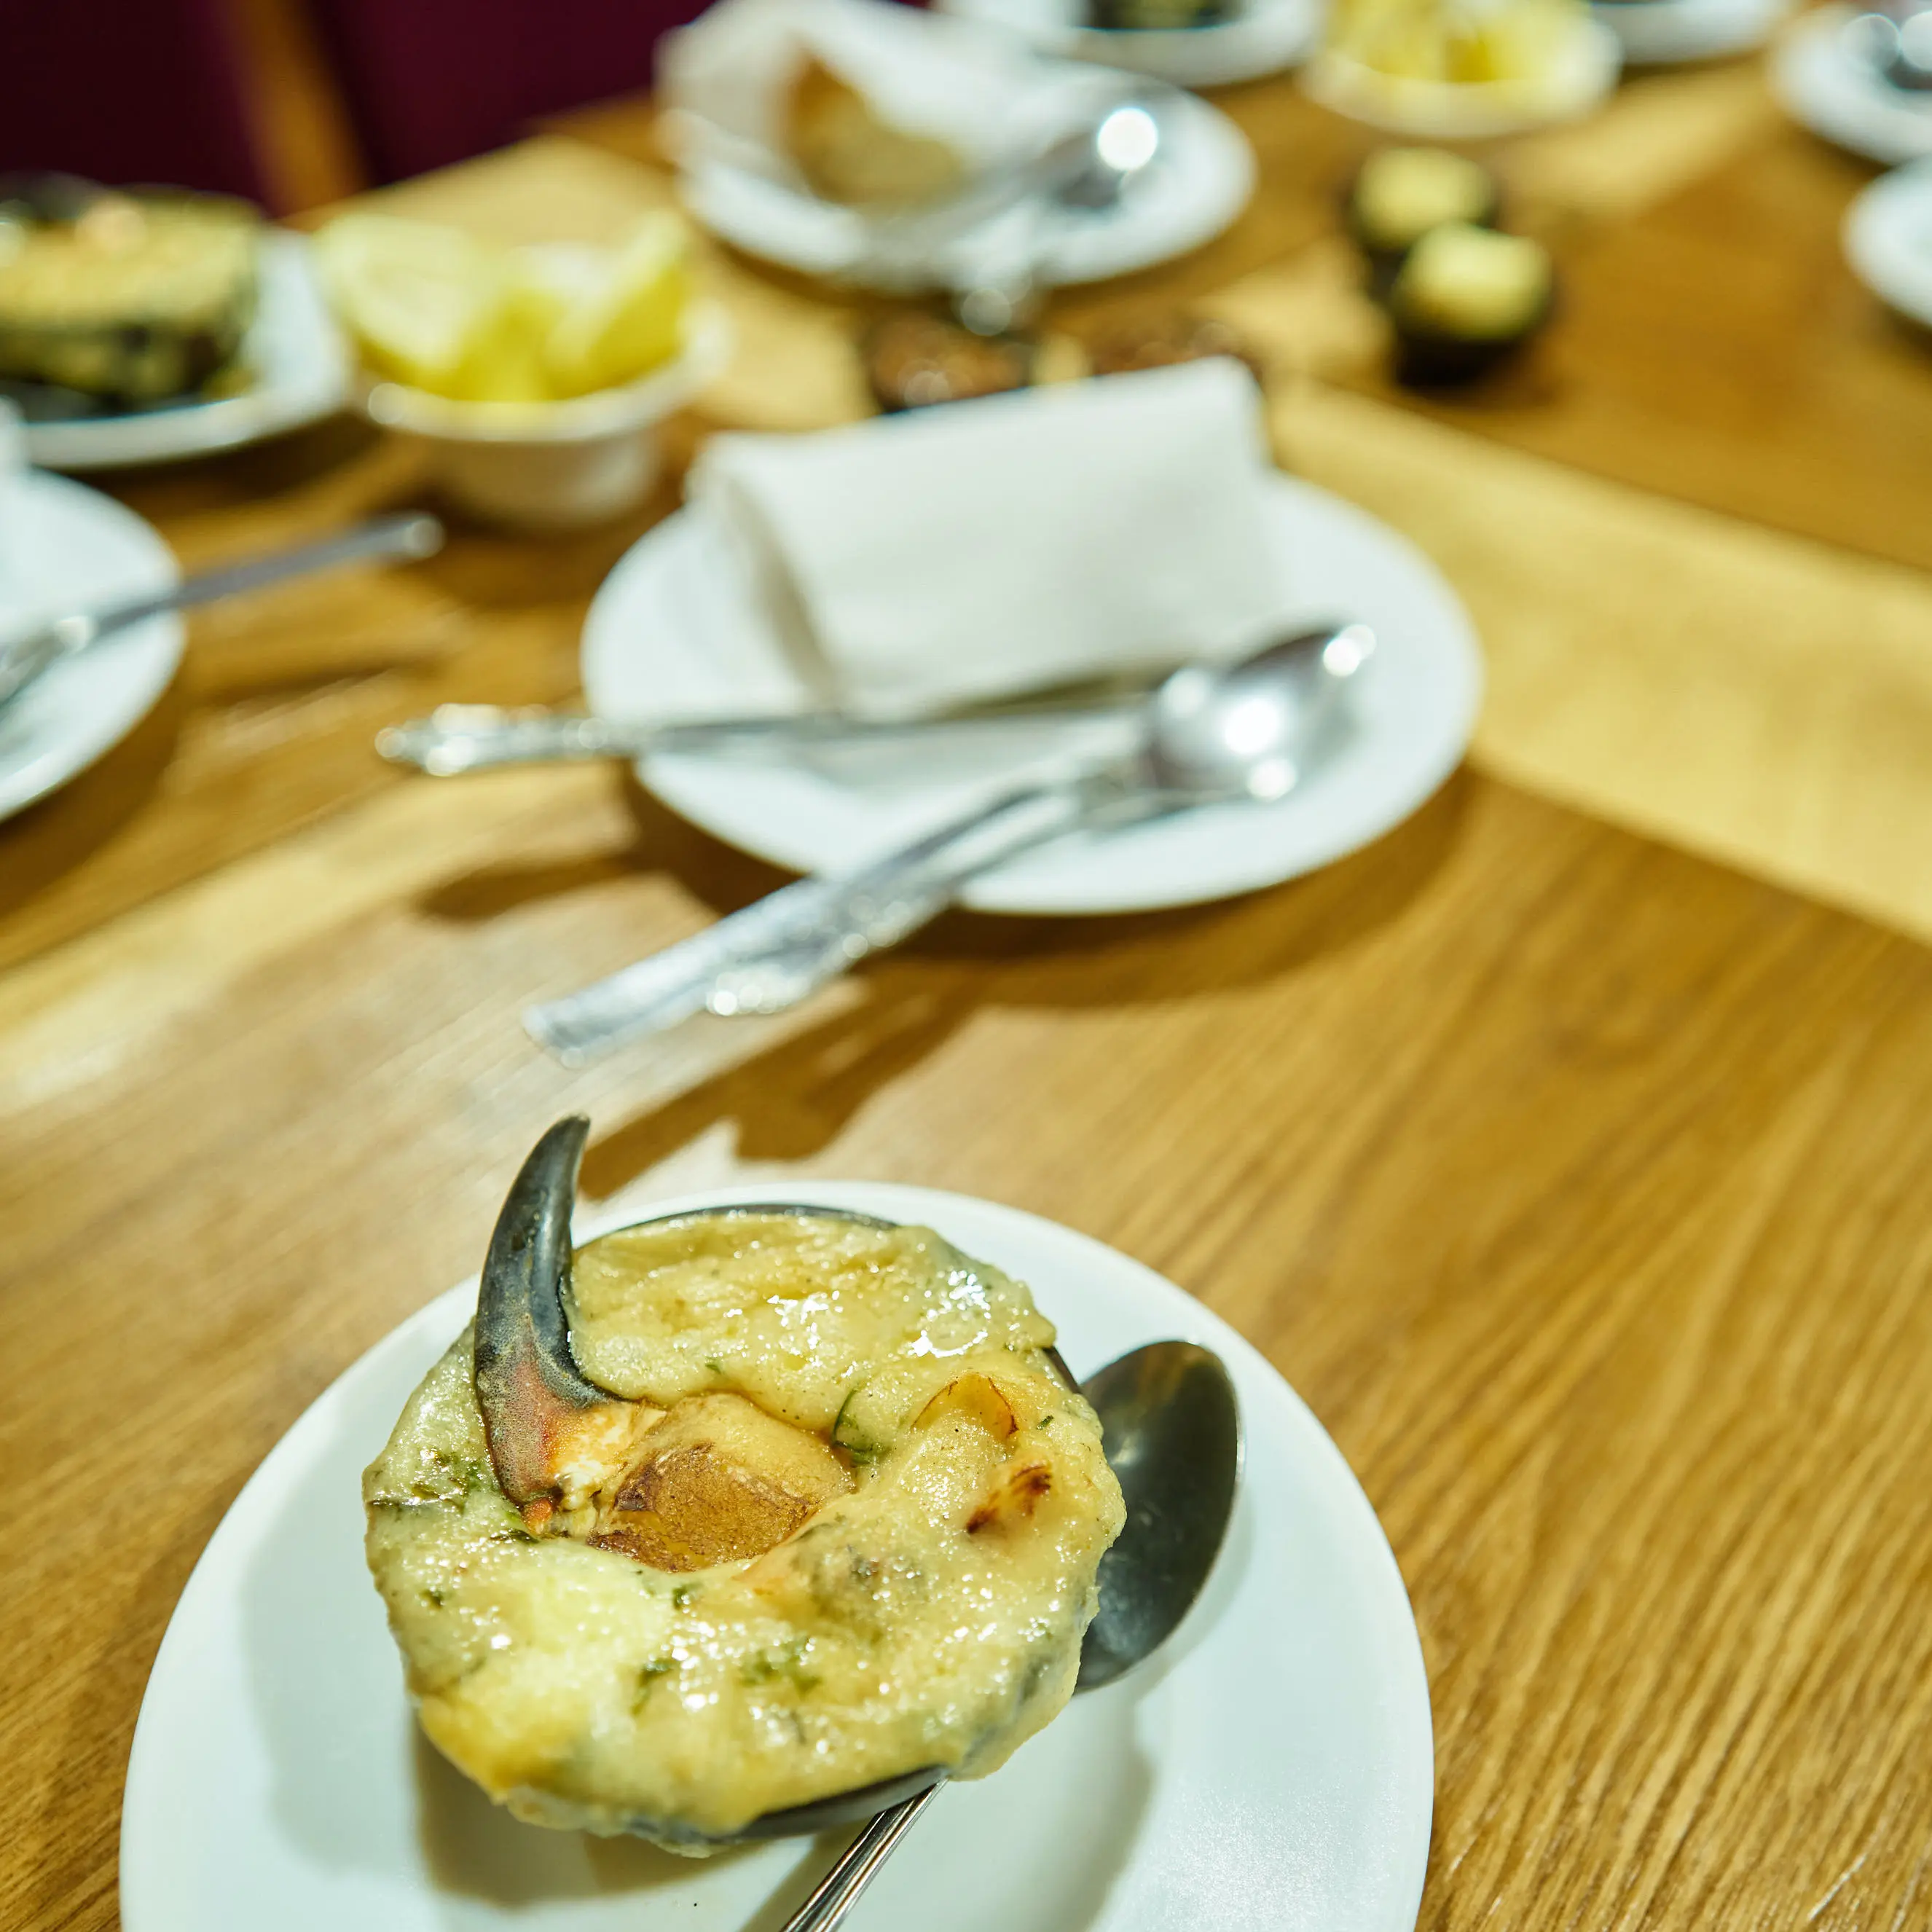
(970, 552)
(724, 78)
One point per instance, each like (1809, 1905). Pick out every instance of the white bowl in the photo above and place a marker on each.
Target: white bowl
(1584, 74)
(555, 465)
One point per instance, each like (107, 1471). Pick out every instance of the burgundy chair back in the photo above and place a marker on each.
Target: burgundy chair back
(140, 91)
(429, 82)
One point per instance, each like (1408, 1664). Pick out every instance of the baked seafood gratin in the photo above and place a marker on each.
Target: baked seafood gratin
(751, 1520)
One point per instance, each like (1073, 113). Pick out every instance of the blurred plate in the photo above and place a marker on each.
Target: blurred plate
(1824, 83)
(301, 371)
(67, 547)
(1199, 183)
(1888, 240)
(1273, 1768)
(1262, 37)
(672, 633)
(1660, 33)
(1472, 110)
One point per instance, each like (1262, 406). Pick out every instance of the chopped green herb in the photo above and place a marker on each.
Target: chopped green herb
(787, 1661)
(648, 1674)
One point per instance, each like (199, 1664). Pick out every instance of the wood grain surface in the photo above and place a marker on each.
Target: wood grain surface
(1573, 1179)
(1577, 1184)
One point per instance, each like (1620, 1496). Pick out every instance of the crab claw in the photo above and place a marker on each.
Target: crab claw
(537, 1409)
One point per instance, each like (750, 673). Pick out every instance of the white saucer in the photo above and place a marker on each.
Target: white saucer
(1591, 60)
(1262, 37)
(673, 633)
(1888, 240)
(66, 548)
(301, 374)
(1660, 33)
(1274, 1768)
(1200, 182)
(1825, 84)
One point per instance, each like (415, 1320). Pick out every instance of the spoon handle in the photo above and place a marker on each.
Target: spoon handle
(820, 925)
(837, 1892)
(397, 539)
(455, 738)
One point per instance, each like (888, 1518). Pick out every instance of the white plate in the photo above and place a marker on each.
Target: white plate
(1585, 74)
(66, 548)
(1660, 33)
(1274, 1768)
(1263, 37)
(1825, 85)
(1200, 182)
(301, 374)
(1888, 240)
(672, 633)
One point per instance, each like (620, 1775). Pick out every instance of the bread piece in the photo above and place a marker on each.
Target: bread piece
(848, 154)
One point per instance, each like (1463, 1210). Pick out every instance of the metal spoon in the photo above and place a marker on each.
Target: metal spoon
(1088, 172)
(1172, 1432)
(455, 739)
(1208, 735)
(391, 539)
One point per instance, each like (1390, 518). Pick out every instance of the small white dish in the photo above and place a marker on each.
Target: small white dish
(1273, 1767)
(1200, 182)
(301, 368)
(1888, 240)
(555, 465)
(1262, 37)
(673, 633)
(1663, 33)
(69, 548)
(1582, 77)
(1827, 85)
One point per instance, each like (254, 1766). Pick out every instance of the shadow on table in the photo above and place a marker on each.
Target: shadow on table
(50, 838)
(792, 1101)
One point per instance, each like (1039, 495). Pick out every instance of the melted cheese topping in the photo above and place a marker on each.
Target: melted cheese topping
(932, 1616)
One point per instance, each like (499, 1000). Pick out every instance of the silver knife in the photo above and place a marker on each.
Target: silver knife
(25, 658)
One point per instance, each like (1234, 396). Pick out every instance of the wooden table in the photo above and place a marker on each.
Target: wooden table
(1574, 1180)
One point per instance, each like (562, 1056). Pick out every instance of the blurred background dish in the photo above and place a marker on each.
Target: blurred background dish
(1836, 72)
(536, 376)
(1236, 43)
(68, 547)
(1662, 33)
(1462, 69)
(670, 634)
(290, 368)
(1202, 180)
(1888, 240)
(555, 465)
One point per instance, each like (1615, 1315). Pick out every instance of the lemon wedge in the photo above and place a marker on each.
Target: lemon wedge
(441, 309)
(623, 315)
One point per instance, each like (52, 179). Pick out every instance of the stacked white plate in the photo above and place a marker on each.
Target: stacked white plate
(1662, 33)
(1826, 81)
(1261, 37)
(1888, 240)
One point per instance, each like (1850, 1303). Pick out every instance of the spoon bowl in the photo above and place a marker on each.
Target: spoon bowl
(1247, 729)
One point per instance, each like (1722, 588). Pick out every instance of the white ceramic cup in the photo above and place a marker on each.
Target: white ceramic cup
(555, 465)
